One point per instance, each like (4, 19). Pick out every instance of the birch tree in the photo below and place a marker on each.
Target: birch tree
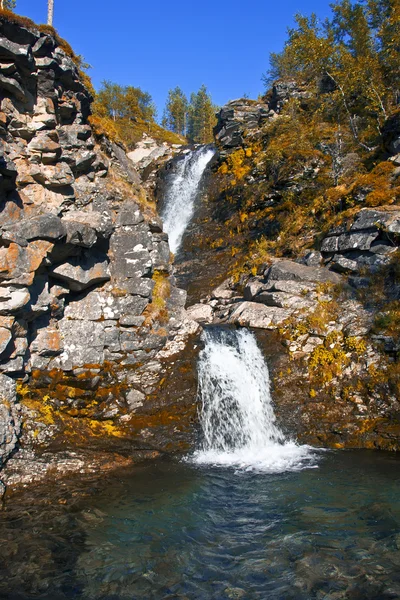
(50, 12)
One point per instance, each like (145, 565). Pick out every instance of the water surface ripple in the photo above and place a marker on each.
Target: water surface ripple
(174, 530)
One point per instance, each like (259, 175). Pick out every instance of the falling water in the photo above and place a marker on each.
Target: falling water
(179, 202)
(236, 414)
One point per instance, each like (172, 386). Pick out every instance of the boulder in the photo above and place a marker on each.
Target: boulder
(129, 214)
(13, 87)
(100, 222)
(202, 313)
(126, 164)
(12, 300)
(47, 342)
(135, 399)
(55, 176)
(287, 270)
(341, 264)
(43, 227)
(84, 271)
(259, 316)
(356, 240)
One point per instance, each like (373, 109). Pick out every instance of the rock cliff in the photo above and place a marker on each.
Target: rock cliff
(312, 264)
(89, 312)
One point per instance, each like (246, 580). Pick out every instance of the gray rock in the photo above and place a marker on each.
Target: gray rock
(135, 399)
(43, 227)
(129, 214)
(160, 256)
(131, 321)
(126, 164)
(131, 258)
(282, 300)
(82, 272)
(259, 316)
(140, 286)
(87, 308)
(312, 259)
(83, 343)
(10, 422)
(79, 234)
(356, 240)
(330, 244)
(287, 270)
(100, 222)
(202, 313)
(294, 288)
(344, 265)
(253, 287)
(12, 300)
(13, 87)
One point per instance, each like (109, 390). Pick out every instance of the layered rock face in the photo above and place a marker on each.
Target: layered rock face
(88, 308)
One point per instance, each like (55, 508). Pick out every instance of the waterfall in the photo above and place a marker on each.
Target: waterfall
(179, 202)
(236, 414)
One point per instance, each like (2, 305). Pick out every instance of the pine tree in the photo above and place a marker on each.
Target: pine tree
(175, 113)
(202, 117)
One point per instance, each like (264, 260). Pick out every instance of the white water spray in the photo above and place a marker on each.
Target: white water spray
(236, 413)
(179, 202)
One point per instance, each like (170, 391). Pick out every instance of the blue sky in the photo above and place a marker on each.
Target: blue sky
(160, 44)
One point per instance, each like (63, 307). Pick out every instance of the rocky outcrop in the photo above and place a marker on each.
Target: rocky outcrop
(236, 117)
(89, 313)
(365, 244)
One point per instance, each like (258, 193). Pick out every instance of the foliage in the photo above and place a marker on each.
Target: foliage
(176, 112)
(8, 4)
(195, 119)
(124, 114)
(354, 56)
(201, 117)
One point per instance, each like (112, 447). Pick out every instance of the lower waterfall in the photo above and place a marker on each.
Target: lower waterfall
(179, 202)
(236, 415)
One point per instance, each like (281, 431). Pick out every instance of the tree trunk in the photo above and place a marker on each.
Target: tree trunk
(50, 11)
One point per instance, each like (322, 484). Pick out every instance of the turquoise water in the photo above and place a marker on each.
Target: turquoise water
(174, 530)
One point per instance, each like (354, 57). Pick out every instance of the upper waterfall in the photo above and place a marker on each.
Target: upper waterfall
(236, 414)
(179, 201)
